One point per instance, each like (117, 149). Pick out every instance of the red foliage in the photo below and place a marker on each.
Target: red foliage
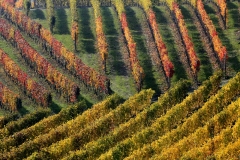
(8, 99)
(194, 60)
(68, 88)
(89, 76)
(217, 44)
(167, 64)
(137, 70)
(35, 90)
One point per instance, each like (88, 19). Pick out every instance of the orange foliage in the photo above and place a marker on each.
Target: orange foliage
(137, 70)
(19, 4)
(217, 44)
(194, 60)
(167, 64)
(35, 90)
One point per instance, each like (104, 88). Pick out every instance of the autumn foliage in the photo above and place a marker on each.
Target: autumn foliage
(101, 38)
(74, 31)
(66, 87)
(8, 99)
(137, 70)
(91, 78)
(31, 87)
(19, 4)
(161, 47)
(163, 53)
(194, 60)
(223, 7)
(217, 44)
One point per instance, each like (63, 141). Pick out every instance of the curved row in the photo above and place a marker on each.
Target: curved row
(166, 122)
(82, 123)
(145, 118)
(227, 140)
(42, 127)
(24, 122)
(162, 147)
(103, 126)
(210, 129)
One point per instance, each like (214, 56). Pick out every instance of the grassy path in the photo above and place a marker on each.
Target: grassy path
(205, 68)
(153, 79)
(89, 97)
(228, 37)
(118, 70)
(164, 27)
(27, 104)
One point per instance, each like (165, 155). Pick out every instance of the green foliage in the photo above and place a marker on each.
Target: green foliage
(101, 127)
(43, 126)
(24, 122)
(27, 6)
(8, 118)
(62, 131)
(50, 14)
(169, 99)
(167, 121)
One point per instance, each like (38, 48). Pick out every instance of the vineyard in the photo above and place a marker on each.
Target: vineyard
(119, 79)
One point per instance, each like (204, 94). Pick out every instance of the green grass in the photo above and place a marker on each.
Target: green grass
(87, 39)
(205, 68)
(167, 36)
(62, 33)
(87, 44)
(121, 82)
(28, 106)
(152, 77)
(121, 79)
(62, 27)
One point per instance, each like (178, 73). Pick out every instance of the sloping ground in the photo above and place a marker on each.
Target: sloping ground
(180, 124)
(117, 69)
(136, 128)
(164, 22)
(28, 104)
(206, 68)
(228, 36)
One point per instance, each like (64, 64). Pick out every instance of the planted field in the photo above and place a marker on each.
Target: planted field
(119, 79)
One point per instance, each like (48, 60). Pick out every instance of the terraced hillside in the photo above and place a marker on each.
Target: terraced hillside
(119, 80)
